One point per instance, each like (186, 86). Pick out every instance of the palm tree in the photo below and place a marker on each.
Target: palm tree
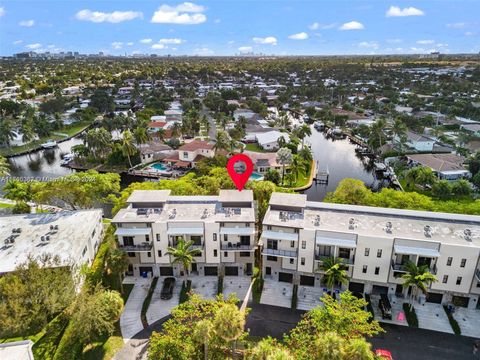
(202, 333)
(334, 272)
(117, 263)
(298, 166)
(229, 323)
(141, 135)
(418, 278)
(303, 132)
(161, 134)
(183, 254)
(4, 167)
(175, 129)
(128, 147)
(377, 135)
(284, 157)
(222, 142)
(399, 129)
(6, 132)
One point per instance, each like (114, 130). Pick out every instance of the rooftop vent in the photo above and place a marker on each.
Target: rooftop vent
(283, 216)
(388, 227)
(317, 220)
(205, 213)
(173, 213)
(141, 211)
(9, 240)
(427, 230)
(351, 223)
(468, 234)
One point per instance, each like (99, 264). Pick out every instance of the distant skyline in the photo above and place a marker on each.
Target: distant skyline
(230, 27)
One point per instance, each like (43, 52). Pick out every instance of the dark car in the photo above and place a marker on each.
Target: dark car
(167, 289)
(385, 307)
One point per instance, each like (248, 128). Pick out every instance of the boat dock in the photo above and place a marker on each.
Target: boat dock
(322, 175)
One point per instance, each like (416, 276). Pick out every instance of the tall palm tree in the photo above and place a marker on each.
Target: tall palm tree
(418, 278)
(183, 254)
(128, 146)
(334, 272)
(161, 134)
(284, 157)
(202, 333)
(229, 323)
(117, 263)
(303, 132)
(4, 167)
(6, 132)
(141, 135)
(297, 166)
(399, 129)
(377, 134)
(222, 142)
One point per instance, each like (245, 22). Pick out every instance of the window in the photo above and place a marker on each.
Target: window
(292, 261)
(344, 253)
(149, 254)
(379, 253)
(158, 237)
(304, 244)
(445, 279)
(269, 227)
(459, 280)
(463, 262)
(367, 251)
(128, 240)
(245, 240)
(364, 269)
(244, 254)
(131, 254)
(159, 252)
(478, 284)
(215, 253)
(302, 261)
(324, 250)
(197, 240)
(377, 270)
(247, 224)
(292, 244)
(449, 261)
(295, 231)
(272, 244)
(225, 253)
(147, 238)
(225, 237)
(271, 258)
(84, 251)
(215, 237)
(185, 155)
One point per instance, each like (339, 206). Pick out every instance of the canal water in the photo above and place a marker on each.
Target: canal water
(336, 155)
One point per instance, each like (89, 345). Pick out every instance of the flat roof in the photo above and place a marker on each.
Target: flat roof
(148, 196)
(17, 350)
(235, 196)
(286, 199)
(74, 227)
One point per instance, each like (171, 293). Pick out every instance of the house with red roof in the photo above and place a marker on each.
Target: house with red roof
(190, 153)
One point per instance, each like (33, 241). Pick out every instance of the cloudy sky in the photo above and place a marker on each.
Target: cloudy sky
(228, 27)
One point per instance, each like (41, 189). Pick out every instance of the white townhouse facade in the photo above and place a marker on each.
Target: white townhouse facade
(374, 244)
(222, 227)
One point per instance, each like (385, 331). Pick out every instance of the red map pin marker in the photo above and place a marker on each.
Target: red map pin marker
(240, 168)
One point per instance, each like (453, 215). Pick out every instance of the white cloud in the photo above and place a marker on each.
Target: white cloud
(317, 26)
(130, 43)
(469, 33)
(35, 46)
(369, 44)
(27, 23)
(352, 25)
(231, 42)
(171, 41)
(269, 40)
(204, 51)
(394, 41)
(395, 11)
(425, 42)
(459, 25)
(158, 46)
(299, 36)
(186, 13)
(245, 49)
(113, 17)
(17, 42)
(217, 21)
(2, 11)
(117, 45)
(146, 41)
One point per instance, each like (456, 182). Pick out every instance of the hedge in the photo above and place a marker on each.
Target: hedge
(185, 290)
(411, 316)
(294, 297)
(220, 285)
(369, 307)
(257, 289)
(46, 346)
(146, 302)
(453, 323)
(69, 348)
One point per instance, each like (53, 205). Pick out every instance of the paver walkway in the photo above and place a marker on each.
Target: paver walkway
(130, 321)
(159, 308)
(277, 293)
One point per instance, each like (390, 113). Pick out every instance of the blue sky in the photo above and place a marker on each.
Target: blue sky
(228, 27)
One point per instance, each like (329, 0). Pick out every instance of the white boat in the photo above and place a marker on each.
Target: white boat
(336, 131)
(50, 144)
(67, 159)
(318, 125)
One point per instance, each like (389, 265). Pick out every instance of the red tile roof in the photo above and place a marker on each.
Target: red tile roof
(157, 124)
(196, 145)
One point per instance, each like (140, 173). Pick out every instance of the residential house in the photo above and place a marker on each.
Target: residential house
(269, 140)
(416, 141)
(445, 166)
(190, 153)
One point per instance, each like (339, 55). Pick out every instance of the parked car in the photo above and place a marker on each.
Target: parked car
(385, 307)
(383, 354)
(167, 288)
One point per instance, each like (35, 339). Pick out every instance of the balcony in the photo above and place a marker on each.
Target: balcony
(280, 253)
(477, 274)
(194, 246)
(401, 268)
(143, 247)
(237, 247)
(321, 259)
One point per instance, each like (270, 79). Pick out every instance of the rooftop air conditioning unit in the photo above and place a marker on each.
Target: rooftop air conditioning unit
(468, 234)
(388, 227)
(427, 231)
(351, 223)
(317, 220)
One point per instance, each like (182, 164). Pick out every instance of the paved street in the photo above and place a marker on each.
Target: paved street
(213, 126)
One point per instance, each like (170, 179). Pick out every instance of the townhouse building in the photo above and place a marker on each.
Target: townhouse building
(374, 245)
(222, 227)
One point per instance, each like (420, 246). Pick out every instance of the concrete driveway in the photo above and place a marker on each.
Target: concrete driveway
(308, 297)
(205, 286)
(159, 308)
(130, 321)
(432, 317)
(236, 284)
(276, 293)
(469, 321)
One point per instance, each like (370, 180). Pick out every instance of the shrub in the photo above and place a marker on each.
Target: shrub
(21, 207)
(184, 292)
(220, 285)
(369, 307)
(453, 323)
(410, 314)
(294, 297)
(146, 302)
(257, 289)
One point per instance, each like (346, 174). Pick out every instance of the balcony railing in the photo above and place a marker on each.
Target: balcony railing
(144, 247)
(402, 267)
(236, 247)
(349, 261)
(194, 246)
(477, 274)
(283, 253)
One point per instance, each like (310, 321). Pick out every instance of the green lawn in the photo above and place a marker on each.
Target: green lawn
(6, 205)
(254, 147)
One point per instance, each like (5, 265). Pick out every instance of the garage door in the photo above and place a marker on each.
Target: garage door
(434, 298)
(356, 287)
(145, 269)
(211, 271)
(461, 301)
(307, 280)
(231, 270)
(166, 271)
(285, 277)
(379, 290)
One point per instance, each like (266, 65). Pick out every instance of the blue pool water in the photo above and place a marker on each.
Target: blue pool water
(255, 176)
(159, 166)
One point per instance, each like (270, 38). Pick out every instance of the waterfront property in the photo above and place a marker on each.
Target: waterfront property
(374, 245)
(222, 227)
(73, 236)
(445, 166)
(190, 153)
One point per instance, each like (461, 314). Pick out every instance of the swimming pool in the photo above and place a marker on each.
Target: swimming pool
(256, 176)
(159, 166)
